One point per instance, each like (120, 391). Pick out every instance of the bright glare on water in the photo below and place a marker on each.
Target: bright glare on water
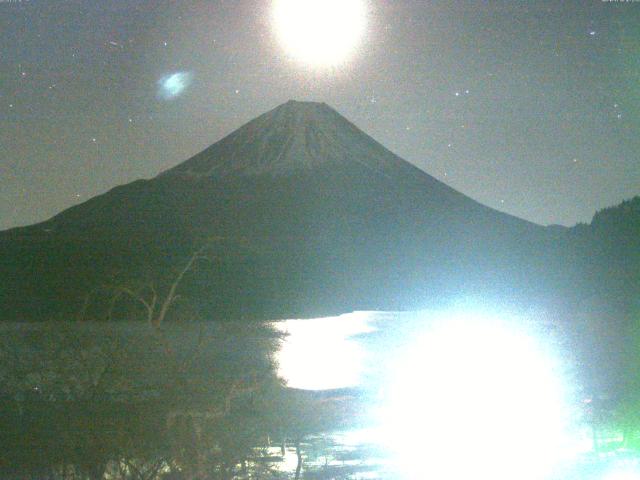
(483, 388)
(459, 394)
(321, 353)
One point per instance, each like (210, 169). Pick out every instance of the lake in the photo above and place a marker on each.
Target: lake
(454, 393)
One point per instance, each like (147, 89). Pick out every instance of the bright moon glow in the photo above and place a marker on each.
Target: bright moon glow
(477, 398)
(174, 84)
(321, 354)
(622, 475)
(320, 32)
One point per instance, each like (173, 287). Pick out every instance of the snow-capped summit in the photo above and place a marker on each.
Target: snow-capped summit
(295, 136)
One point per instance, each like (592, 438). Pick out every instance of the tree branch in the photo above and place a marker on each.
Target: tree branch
(171, 296)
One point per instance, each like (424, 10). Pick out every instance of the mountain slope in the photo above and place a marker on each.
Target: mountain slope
(303, 215)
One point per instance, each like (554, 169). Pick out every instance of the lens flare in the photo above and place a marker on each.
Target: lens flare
(173, 84)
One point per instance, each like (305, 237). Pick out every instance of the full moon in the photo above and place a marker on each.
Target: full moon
(320, 33)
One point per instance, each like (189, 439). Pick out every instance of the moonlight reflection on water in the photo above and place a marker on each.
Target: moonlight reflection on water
(492, 389)
(321, 353)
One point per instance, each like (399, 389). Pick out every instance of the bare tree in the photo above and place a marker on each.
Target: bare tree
(156, 308)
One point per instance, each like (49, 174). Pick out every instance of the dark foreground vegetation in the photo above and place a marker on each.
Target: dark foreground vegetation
(125, 401)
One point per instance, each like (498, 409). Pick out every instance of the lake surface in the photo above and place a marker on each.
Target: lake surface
(467, 392)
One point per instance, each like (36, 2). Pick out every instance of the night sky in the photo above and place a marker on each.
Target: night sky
(531, 108)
